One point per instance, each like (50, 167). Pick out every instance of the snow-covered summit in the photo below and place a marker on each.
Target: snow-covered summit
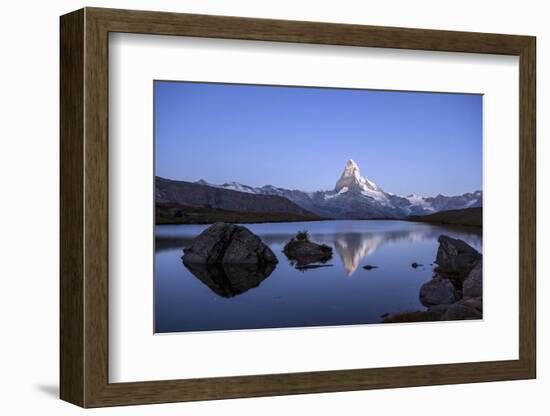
(351, 178)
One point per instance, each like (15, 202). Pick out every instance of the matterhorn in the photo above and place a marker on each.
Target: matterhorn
(352, 180)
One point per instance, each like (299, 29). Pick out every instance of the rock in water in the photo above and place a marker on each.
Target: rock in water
(473, 284)
(305, 252)
(438, 291)
(223, 243)
(455, 257)
(370, 267)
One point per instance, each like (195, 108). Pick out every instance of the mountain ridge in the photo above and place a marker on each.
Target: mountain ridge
(356, 197)
(353, 197)
(200, 195)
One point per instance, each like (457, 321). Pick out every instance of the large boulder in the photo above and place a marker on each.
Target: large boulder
(223, 243)
(473, 284)
(438, 291)
(304, 252)
(455, 258)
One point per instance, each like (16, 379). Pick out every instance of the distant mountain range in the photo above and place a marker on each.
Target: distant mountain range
(353, 197)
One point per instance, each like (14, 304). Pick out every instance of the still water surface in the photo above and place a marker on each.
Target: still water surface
(342, 294)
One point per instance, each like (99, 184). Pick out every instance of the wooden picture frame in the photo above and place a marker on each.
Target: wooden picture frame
(84, 207)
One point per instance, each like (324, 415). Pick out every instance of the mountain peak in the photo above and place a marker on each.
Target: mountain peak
(352, 180)
(351, 164)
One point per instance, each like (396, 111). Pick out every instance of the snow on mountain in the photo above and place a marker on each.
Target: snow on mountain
(355, 196)
(329, 195)
(235, 186)
(419, 201)
(351, 178)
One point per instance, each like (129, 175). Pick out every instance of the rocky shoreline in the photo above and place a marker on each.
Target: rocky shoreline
(455, 291)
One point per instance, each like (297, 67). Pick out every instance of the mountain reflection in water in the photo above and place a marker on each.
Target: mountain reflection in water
(228, 297)
(354, 247)
(351, 247)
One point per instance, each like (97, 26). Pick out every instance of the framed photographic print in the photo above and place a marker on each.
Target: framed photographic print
(255, 207)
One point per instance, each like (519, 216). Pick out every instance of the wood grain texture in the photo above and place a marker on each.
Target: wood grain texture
(162, 23)
(84, 207)
(96, 220)
(71, 208)
(527, 208)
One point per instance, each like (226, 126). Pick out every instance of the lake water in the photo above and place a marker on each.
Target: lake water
(342, 294)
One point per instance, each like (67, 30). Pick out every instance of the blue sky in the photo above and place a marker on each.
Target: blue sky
(301, 138)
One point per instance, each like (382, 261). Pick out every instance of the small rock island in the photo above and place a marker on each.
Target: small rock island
(303, 252)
